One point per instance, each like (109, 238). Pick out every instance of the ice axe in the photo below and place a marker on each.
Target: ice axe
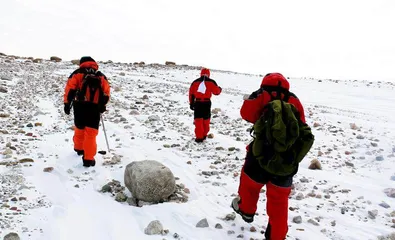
(105, 135)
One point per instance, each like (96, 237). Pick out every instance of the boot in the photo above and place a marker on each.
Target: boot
(79, 152)
(246, 217)
(88, 163)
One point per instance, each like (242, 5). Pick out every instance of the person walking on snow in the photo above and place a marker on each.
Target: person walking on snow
(87, 91)
(200, 94)
(253, 177)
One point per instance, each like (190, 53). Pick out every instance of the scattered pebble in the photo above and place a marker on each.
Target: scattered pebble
(48, 169)
(218, 226)
(154, 228)
(297, 219)
(202, 223)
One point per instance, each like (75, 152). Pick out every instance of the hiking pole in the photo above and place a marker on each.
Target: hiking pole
(71, 105)
(104, 130)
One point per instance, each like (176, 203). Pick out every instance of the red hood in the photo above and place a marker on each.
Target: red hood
(273, 79)
(89, 64)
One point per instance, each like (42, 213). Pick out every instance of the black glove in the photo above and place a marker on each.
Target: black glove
(67, 108)
(255, 94)
(102, 108)
(191, 106)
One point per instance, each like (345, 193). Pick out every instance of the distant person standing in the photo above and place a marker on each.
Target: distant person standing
(200, 94)
(87, 91)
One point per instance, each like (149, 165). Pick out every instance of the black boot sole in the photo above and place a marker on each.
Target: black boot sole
(79, 152)
(88, 163)
(247, 219)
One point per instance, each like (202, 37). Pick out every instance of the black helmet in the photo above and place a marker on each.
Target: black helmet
(86, 59)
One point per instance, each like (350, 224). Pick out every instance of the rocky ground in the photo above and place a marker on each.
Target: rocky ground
(347, 178)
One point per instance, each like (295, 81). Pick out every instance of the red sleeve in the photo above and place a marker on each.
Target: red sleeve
(252, 108)
(216, 90)
(299, 106)
(72, 84)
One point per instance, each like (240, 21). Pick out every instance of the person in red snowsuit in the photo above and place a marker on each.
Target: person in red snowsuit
(253, 177)
(200, 94)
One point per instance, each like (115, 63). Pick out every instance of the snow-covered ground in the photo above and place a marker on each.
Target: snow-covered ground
(355, 143)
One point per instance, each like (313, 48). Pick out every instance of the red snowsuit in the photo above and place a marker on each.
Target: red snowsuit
(253, 177)
(200, 93)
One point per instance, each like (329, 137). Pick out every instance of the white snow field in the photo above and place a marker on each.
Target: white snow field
(149, 118)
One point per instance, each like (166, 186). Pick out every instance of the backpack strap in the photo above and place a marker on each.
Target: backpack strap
(286, 96)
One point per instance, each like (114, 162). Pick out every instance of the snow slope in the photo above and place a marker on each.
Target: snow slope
(66, 203)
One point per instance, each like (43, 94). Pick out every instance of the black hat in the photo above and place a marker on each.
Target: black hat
(86, 59)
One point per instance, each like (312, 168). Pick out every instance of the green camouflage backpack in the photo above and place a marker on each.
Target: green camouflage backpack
(282, 140)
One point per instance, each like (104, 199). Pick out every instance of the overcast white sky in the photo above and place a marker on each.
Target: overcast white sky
(342, 39)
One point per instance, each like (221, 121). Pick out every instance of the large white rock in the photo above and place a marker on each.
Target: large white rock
(12, 236)
(154, 228)
(149, 180)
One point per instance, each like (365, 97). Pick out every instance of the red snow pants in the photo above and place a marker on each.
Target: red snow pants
(202, 115)
(252, 179)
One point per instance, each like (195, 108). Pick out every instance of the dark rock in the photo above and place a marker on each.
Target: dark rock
(379, 158)
(48, 169)
(3, 90)
(12, 236)
(38, 60)
(218, 226)
(350, 164)
(297, 219)
(106, 188)
(154, 228)
(373, 214)
(149, 180)
(315, 165)
(202, 223)
(26, 160)
(168, 63)
(384, 205)
(230, 217)
(55, 59)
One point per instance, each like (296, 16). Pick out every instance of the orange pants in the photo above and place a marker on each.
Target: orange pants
(85, 139)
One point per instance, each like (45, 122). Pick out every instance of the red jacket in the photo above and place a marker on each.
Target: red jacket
(252, 108)
(211, 87)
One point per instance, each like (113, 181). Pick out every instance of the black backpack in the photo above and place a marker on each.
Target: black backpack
(91, 83)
